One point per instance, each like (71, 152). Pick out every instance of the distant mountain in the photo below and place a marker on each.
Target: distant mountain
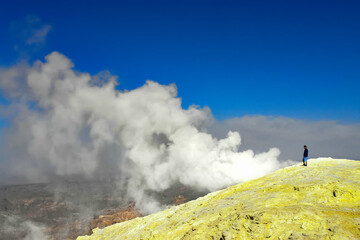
(319, 201)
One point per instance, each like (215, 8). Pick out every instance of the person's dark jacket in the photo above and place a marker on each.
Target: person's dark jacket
(306, 152)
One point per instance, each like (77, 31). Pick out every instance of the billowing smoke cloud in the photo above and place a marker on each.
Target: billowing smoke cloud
(15, 226)
(66, 123)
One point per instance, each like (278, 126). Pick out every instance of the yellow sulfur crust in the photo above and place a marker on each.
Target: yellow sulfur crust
(320, 201)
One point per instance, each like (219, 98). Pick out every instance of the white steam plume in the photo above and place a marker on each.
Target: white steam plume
(69, 123)
(15, 225)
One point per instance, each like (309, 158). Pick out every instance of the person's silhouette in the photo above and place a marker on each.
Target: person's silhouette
(305, 155)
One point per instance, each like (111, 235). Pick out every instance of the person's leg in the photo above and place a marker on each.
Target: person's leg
(305, 160)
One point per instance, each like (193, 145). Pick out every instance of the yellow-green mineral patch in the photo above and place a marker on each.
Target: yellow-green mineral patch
(320, 201)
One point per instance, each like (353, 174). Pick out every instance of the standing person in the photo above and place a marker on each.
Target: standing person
(305, 156)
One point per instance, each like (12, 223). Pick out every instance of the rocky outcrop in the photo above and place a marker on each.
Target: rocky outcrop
(320, 201)
(179, 200)
(122, 215)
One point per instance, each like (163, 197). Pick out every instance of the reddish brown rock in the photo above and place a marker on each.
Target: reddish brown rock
(118, 216)
(180, 200)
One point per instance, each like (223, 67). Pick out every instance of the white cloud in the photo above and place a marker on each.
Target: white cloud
(67, 125)
(13, 80)
(39, 35)
(324, 138)
(29, 35)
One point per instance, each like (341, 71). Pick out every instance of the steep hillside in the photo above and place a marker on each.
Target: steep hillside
(320, 201)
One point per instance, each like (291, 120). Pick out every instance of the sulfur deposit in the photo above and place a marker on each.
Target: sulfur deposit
(320, 201)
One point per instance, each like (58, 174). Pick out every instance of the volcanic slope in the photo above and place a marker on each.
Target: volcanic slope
(320, 201)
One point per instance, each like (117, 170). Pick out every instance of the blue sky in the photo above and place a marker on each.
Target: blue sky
(299, 59)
